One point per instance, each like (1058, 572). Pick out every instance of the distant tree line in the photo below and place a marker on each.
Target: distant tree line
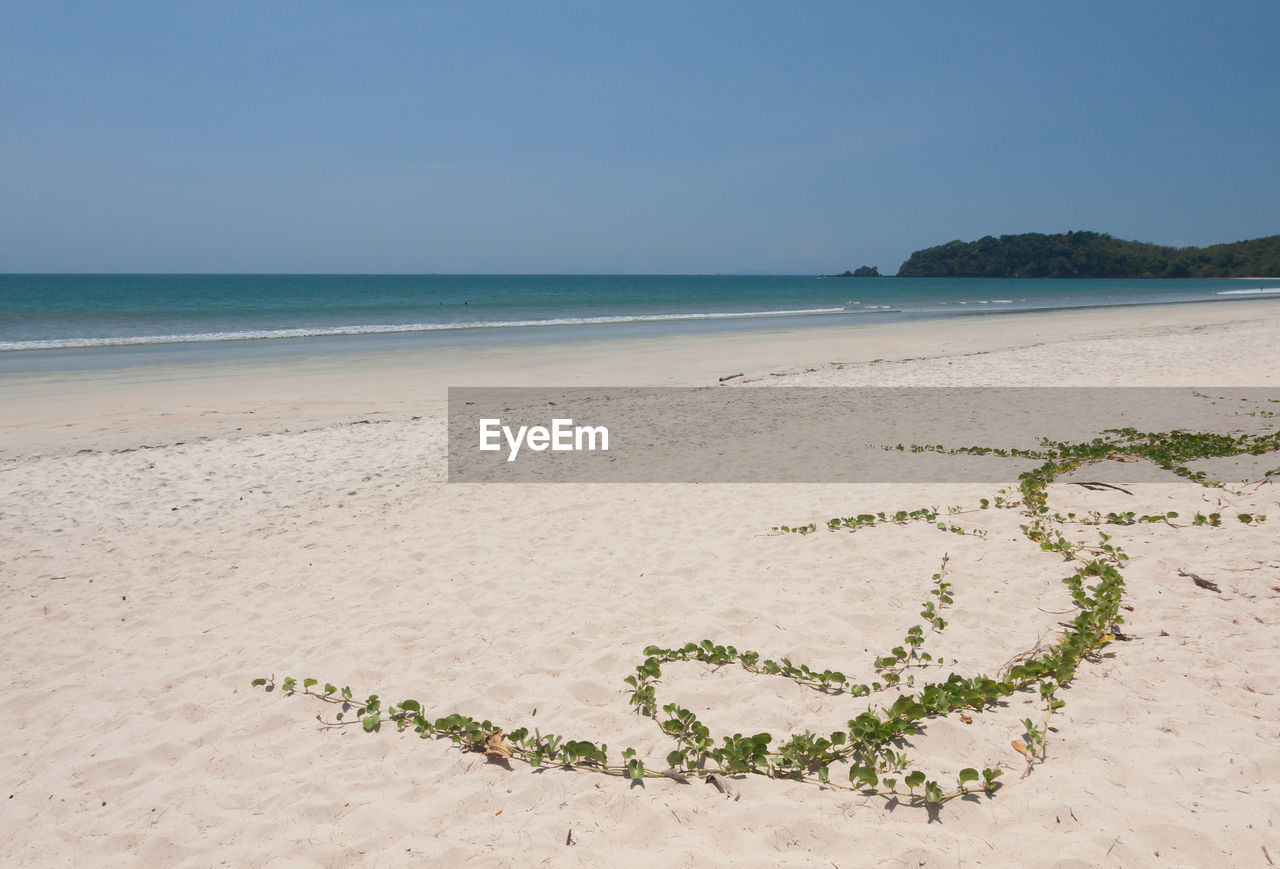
(1091, 255)
(859, 272)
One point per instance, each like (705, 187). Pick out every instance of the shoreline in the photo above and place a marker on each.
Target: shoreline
(127, 406)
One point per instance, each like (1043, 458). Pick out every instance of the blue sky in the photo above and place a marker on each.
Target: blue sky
(622, 137)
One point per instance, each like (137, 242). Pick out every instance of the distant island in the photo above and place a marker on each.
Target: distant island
(859, 272)
(1091, 255)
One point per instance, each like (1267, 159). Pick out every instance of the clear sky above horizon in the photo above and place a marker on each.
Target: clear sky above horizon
(546, 137)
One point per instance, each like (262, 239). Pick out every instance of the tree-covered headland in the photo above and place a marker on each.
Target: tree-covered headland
(1091, 255)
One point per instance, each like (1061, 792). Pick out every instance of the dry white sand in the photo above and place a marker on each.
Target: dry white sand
(166, 536)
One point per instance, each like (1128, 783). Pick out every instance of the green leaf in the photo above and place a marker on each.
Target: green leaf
(258, 682)
(969, 774)
(915, 779)
(864, 774)
(370, 722)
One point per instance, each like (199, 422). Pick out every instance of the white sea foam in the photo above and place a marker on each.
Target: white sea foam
(1258, 291)
(983, 302)
(261, 334)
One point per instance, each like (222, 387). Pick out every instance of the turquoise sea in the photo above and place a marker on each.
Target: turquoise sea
(86, 321)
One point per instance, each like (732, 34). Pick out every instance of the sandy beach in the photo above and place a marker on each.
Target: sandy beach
(168, 535)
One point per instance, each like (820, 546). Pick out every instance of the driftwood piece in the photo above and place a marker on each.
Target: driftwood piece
(1201, 581)
(730, 377)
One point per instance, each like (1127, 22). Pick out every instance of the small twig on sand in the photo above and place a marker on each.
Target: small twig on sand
(1094, 486)
(1034, 651)
(730, 377)
(1200, 581)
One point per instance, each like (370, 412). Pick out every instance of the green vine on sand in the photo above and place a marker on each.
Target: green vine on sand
(900, 517)
(871, 746)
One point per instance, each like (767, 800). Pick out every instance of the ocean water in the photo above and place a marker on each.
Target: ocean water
(106, 320)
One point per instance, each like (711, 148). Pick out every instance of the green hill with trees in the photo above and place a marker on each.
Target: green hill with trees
(1091, 255)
